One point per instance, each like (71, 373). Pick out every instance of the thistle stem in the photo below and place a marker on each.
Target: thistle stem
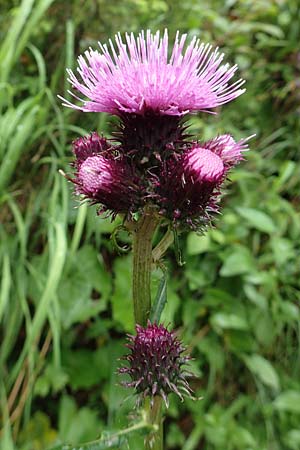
(141, 290)
(154, 440)
(142, 261)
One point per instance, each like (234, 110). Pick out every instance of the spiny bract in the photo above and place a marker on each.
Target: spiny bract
(156, 363)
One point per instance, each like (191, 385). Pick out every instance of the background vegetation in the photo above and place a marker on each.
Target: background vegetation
(65, 294)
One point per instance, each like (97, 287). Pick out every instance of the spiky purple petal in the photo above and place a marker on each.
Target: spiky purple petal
(137, 76)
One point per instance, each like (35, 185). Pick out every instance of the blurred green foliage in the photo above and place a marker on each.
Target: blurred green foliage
(65, 292)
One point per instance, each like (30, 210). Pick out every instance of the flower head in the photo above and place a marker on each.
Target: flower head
(155, 363)
(138, 75)
(104, 176)
(189, 187)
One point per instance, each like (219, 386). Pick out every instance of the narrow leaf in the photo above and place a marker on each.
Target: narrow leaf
(263, 369)
(257, 219)
(160, 300)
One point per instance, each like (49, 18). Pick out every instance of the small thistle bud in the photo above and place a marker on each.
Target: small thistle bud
(103, 175)
(189, 187)
(155, 363)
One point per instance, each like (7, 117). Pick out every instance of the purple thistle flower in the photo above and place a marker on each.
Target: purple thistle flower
(189, 187)
(138, 75)
(155, 363)
(104, 176)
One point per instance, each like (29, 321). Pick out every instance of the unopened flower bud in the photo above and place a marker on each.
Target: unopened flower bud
(104, 176)
(189, 186)
(156, 363)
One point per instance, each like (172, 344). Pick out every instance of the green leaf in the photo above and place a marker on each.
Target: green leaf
(287, 169)
(171, 307)
(255, 296)
(160, 300)
(239, 262)
(263, 369)
(283, 250)
(87, 368)
(288, 401)
(224, 321)
(84, 274)
(257, 219)
(240, 341)
(38, 430)
(213, 351)
(17, 145)
(197, 244)
(122, 297)
(76, 304)
(80, 366)
(77, 424)
(263, 327)
(290, 311)
(52, 378)
(89, 266)
(292, 439)
(203, 274)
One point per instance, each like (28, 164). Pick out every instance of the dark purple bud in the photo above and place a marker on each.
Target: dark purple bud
(156, 363)
(104, 175)
(189, 187)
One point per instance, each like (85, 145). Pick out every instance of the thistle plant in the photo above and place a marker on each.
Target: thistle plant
(155, 175)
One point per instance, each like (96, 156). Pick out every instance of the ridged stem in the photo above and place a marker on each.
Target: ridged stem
(141, 290)
(154, 440)
(142, 262)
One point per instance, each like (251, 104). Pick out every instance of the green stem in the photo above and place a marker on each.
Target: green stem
(141, 289)
(109, 441)
(163, 245)
(142, 261)
(154, 440)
